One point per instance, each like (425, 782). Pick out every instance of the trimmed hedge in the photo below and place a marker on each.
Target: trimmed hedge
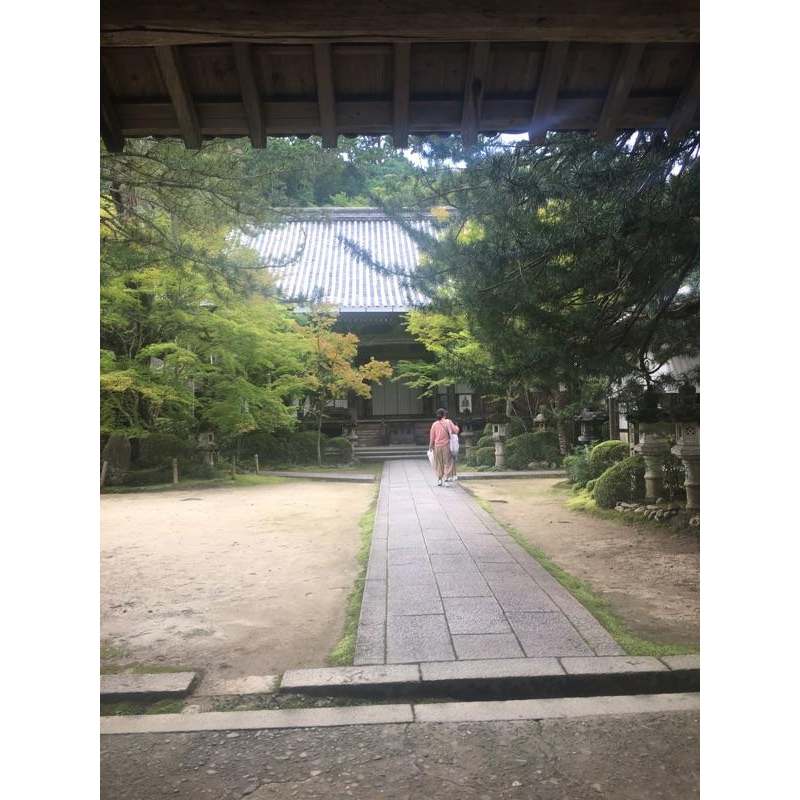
(606, 454)
(484, 457)
(522, 450)
(158, 449)
(516, 427)
(343, 448)
(485, 441)
(271, 449)
(623, 482)
(590, 485)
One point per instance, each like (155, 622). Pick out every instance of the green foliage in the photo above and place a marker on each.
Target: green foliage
(577, 467)
(302, 447)
(486, 441)
(605, 454)
(590, 485)
(484, 457)
(516, 427)
(343, 450)
(523, 449)
(270, 448)
(620, 483)
(574, 261)
(158, 450)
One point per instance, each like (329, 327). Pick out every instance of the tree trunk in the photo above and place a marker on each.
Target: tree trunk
(319, 440)
(561, 429)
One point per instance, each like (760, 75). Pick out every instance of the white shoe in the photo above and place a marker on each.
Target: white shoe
(439, 482)
(455, 477)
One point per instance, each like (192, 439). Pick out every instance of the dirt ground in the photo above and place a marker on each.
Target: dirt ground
(240, 581)
(651, 578)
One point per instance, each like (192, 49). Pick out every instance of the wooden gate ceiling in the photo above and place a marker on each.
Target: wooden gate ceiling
(350, 67)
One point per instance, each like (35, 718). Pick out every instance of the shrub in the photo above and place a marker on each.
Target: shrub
(577, 467)
(140, 477)
(271, 449)
(622, 482)
(528, 447)
(338, 450)
(590, 485)
(485, 441)
(516, 427)
(158, 450)
(487, 429)
(605, 455)
(302, 447)
(484, 457)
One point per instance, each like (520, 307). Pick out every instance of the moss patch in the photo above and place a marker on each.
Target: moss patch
(343, 654)
(599, 607)
(132, 708)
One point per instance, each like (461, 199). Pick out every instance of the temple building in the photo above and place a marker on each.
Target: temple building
(317, 255)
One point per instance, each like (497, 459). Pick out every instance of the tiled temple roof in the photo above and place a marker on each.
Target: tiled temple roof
(318, 250)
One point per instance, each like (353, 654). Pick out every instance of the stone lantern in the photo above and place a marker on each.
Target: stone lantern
(540, 421)
(467, 435)
(655, 448)
(499, 433)
(591, 425)
(687, 447)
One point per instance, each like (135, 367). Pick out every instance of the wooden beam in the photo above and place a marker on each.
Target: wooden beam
(402, 94)
(169, 61)
(619, 90)
(547, 92)
(242, 53)
(687, 103)
(160, 22)
(110, 127)
(326, 99)
(475, 84)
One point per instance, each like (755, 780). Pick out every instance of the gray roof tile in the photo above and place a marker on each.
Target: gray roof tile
(318, 250)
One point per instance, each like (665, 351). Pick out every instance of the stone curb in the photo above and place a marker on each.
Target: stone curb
(259, 720)
(115, 688)
(537, 677)
(477, 476)
(324, 476)
(562, 708)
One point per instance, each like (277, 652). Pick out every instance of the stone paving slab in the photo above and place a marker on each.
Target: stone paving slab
(162, 684)
(458, 586)
(612, 665)
(303, 680)
(688, 661)
(249, 684)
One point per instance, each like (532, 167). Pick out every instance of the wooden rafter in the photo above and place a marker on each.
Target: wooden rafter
(110, 127)
(159, 22)
(323, 66)
(178, 87)
(475, 84)
(619, 90)
(687, 103)
(547, 92)
(402, 94)
(252, 102)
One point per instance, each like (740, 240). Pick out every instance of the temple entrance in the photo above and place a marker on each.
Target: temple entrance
(395, 399)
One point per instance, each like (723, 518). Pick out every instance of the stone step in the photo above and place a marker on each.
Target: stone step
(504, 678)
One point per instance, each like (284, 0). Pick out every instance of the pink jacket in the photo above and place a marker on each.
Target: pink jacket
(440, 432)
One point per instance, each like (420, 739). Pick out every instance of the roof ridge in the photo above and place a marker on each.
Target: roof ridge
(350, 212)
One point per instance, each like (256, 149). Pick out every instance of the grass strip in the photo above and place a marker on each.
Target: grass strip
(200, 483)
(343, 654)
(600, 608)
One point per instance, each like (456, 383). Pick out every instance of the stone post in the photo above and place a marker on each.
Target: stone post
(688, 451)
(233, 466)
(655, 448)
(175, 471)
(256, 458)
(103, 472)
(499, 436)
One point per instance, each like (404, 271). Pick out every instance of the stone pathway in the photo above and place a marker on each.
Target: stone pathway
(445, 582)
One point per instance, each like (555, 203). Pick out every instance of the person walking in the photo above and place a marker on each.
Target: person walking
(439, 443)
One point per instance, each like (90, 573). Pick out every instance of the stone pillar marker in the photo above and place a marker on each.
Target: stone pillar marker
(467, 437)
(175, 471)
(499, 436)
(655, 448)
(687, 450)
(256, 458)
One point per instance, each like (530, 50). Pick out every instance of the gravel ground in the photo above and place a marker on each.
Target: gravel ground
(632, 757)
